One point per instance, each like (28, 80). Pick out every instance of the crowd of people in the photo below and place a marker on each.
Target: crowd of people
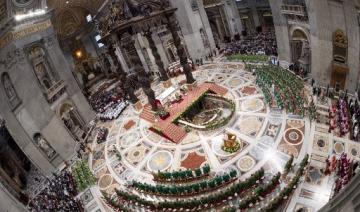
(262, 43)
(102, 135)
(339, 117)
(109, 104)
(113, 111)
(58, 195)
(176, 69)
(355, 118)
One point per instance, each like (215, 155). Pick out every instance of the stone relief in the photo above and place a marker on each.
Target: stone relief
(12, 58)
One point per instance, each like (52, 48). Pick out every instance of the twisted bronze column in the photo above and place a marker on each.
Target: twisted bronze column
(173, 27)
(144, 81)
(127, 83)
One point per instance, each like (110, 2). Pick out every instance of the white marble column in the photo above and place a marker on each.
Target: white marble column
(218, 23)
(255, 16)
(206, 24)
(190, 22)
(121, 58)
(233, 17)
(282, 33)
(139, 45)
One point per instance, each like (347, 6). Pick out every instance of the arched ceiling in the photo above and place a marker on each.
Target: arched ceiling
(70, 15)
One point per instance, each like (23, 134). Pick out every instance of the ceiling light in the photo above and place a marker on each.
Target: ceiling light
(30, 14)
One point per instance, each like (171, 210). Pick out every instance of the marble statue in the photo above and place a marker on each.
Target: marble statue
(44, 146)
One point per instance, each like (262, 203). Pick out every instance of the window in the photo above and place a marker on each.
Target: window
(89, 18)
(97, 38)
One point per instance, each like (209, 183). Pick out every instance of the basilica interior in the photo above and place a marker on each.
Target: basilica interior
(179, 105)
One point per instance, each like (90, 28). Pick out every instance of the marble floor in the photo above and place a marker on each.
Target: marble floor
(269, 136)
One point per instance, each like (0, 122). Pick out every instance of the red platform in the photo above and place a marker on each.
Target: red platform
(166, 127)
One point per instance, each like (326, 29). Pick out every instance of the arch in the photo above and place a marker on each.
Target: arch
(65, 107)
(299, 32)
(10, 91)
(70, 116)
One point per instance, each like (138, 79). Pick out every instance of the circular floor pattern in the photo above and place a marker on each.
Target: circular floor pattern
(293, 136)
(168, 156)
(320, 143)
(354, 152)
(235, 82)
(160, 161)
(136, 154)
(339, 148)
(246, 163)
(105, 181)
(129, 139)
(252, 105)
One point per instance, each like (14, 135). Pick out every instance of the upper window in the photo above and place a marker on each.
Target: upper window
(89, 18)
(97, 38)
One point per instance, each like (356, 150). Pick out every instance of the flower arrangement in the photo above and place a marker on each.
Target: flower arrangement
(84, 178)
(178, 176)
(162, 113)
(188, 189)
(239, 187)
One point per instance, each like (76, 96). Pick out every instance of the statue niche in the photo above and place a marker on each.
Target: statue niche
(72, 120)
(10, 91)
(44, 146)
(43, 71)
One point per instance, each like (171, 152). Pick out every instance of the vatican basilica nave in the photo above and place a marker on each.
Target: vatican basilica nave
(179, 105)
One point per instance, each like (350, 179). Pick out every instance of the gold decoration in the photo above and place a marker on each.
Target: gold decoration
(231, 144)
(34, 28)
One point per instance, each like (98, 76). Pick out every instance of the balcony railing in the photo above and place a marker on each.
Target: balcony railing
(294, 10)
(212, 3)
(55, 91)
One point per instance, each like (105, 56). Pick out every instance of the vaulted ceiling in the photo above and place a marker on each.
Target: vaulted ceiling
(70, 15)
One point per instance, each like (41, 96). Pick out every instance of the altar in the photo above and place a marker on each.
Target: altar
(167, 127)
(166, 94)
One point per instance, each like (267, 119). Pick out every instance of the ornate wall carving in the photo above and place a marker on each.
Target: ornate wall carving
(10, 91)
(340, 45)
(47, 78)
(31, 29)
(11, 58)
